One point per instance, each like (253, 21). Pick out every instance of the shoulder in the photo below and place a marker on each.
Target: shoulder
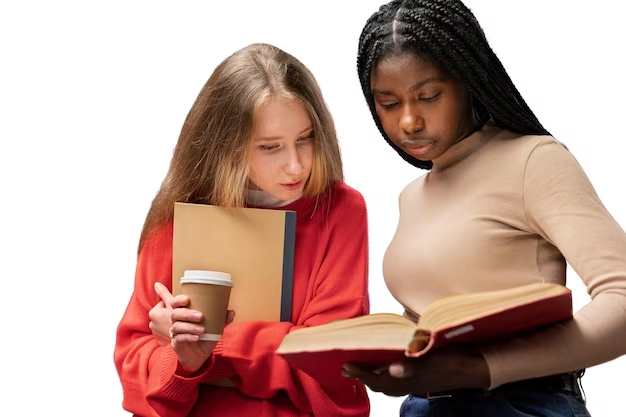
(342, 195)
(516, 155)
(548, 145)
(159, 241)
(507, 143)
(549, 156)
(339, 206)
(550, 163)
(525, 146)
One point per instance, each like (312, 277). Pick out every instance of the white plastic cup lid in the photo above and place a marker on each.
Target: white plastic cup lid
(206, 277)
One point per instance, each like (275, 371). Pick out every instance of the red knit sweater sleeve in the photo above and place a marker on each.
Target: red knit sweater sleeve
(340, 292)
(141, 363)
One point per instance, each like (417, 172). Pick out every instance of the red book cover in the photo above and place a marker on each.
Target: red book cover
(530, 316)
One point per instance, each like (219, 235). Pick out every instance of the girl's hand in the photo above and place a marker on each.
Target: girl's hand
(170, 320)
(442, 370)
(161, 314)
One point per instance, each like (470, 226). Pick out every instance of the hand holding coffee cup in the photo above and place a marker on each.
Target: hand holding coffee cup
(196, 329)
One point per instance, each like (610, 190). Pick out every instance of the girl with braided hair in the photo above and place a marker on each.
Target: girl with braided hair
(503, 204)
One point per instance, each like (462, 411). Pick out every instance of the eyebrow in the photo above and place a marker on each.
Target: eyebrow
(271, 138)
(412, 88)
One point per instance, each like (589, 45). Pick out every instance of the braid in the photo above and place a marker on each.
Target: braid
(446, 34)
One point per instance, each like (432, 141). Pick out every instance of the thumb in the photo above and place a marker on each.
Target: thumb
(164, 293)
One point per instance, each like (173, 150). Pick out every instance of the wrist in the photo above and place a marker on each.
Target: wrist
(191, 369)
(478, 374)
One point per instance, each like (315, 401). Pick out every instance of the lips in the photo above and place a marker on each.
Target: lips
(292, 185)
(418, 149)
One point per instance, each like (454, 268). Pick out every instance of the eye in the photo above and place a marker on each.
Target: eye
(431, 98)
(307, 138)
(388, 105)
(267, 147)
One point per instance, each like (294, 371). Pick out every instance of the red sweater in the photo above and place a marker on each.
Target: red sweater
(330, 282)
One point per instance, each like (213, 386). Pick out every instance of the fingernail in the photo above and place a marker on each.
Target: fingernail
(197, 316)
(344, 373)
(396, 370)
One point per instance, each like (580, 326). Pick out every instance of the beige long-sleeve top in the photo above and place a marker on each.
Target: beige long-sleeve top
(500, 210)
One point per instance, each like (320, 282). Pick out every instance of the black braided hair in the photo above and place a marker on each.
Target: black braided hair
(446, 34)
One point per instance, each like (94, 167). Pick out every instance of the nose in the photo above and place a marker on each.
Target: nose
(294, 165)
(410, 120)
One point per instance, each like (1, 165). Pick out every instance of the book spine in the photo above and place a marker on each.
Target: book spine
(289, 252)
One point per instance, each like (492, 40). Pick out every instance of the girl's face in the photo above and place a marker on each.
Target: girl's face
(283, 149)
(422, 110)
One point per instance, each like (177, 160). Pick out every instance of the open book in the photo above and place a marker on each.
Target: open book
(376, 340)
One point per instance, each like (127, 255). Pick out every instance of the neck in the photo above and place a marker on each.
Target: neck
(470, 141)
(260, 198)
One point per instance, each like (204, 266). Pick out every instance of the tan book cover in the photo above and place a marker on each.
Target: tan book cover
(256, 246)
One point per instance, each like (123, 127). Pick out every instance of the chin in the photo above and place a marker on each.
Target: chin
(431, 155)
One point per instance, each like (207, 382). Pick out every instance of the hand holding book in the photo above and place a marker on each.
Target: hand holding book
(448, 368)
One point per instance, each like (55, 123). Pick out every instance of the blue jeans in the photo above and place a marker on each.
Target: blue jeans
(512, 400)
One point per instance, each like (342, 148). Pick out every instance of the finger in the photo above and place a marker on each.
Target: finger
(164, 293)
(381, 370)
(179, 339)
(180, 300)
(230, 316)
(181, 327)
(185, 314)
(353, 371)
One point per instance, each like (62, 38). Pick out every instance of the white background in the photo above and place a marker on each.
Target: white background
(92, 98)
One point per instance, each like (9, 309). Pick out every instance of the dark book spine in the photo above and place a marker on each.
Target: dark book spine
(289, 253)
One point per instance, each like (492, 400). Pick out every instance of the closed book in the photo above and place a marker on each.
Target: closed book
(376, 340)
(256, 246)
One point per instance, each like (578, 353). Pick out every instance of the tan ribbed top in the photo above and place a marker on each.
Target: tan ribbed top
(498, 210)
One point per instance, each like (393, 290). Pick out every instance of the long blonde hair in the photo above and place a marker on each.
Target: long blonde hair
(211, 160)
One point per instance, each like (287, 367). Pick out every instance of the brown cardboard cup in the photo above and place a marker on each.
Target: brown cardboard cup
(209, 293)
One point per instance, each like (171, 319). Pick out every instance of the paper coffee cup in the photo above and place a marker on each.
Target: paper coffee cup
(209, 293)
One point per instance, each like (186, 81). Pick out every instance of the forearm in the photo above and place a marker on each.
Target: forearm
(251, 349)
(172, 391)
(596, 335)
(268, 376)
(261, 373)
(132, 364)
